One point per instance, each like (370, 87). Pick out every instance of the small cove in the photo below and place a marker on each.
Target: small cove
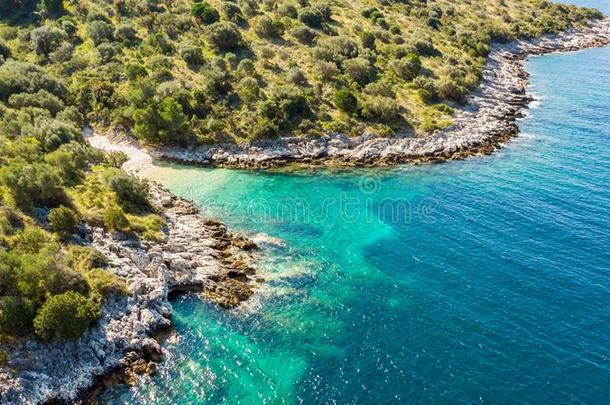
(484, 280)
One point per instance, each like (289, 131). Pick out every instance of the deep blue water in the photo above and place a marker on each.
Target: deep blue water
(485, 280)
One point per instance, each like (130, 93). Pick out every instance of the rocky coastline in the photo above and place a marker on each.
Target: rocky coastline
(198, 254)
(485, 123)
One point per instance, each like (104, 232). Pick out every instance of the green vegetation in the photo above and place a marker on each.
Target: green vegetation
(51, 284)
(182, 72)
(185, 72)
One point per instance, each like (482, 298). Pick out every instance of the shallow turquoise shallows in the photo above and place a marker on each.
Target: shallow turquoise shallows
(485, 280)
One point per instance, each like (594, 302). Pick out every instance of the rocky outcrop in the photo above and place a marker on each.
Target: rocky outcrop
(197, 254)
(486, 122)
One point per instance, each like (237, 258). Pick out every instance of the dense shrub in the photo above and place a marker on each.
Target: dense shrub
(450, 90)
(217, 82)
(131, 192)
(115, 219)
(29, 241)
(71, 160)
(16, 314)
(287, 10)
(248, 89)
(224, 35)
(64, 316)
(248, 7)
(359, 70)
(296, 76)
(336, 49)
(46, 39)
(311, 16)
(115, 159)
(42, 99)
(380, 109)
(345, 100)
(5, 51)
(246, 67)
(264, 128)
(133, 71)
(367, 39)
(32, 184)
(100, 31)
(407, 67)
(106, 52)
(63, 221)
(192, 55)
(427, 89)
(267, 28)
(104, 284)
(160, 43)
(232, 12)
(304, 35)
(125, 33)
(290, 100)
(205, 13)
(63, 53)
(425, 47)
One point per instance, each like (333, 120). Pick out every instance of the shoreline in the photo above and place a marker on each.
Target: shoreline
(197, 255)
(485, 123)
(201, 255)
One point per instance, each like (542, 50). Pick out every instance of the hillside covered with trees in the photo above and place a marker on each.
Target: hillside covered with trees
(182, 72)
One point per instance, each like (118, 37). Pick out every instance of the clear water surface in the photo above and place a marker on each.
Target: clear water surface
(485, 280)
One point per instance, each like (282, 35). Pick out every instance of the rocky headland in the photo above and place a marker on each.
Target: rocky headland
(483, 124)
(197, 255)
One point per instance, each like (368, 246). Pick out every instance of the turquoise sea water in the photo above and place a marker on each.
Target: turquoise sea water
(485, 280)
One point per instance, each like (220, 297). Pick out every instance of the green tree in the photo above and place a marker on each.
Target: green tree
(41, 99)
(163, 122)
(64, 317)
(23, 77)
